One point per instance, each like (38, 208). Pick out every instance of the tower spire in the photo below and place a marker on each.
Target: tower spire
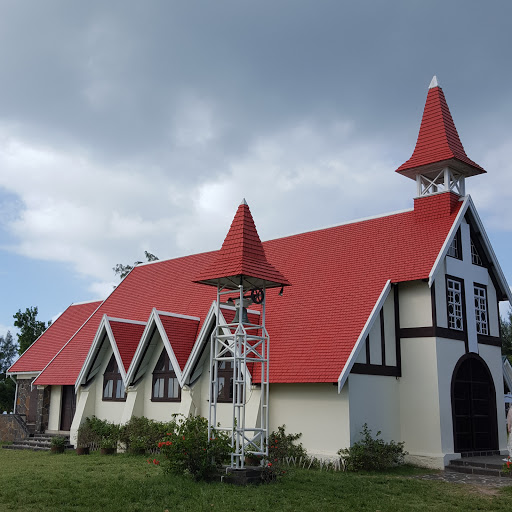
(439, 162)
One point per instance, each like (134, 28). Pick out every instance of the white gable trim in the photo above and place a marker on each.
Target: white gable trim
(177, 315)
(90, 355)
(104, 327)
(202, 338)
(469, 205)
(145, 338)
(365, 332)
(169, 349)
(196, 349)
(155, 321)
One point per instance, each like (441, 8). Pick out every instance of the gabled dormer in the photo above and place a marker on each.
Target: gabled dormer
(439, 162)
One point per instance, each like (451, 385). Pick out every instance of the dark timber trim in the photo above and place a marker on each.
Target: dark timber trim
(375, 369)
(397, 330)
(382, 337)
(367, 343)
(489, 340)
(143, 355)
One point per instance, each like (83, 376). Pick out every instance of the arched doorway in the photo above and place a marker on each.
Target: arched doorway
(473, 406)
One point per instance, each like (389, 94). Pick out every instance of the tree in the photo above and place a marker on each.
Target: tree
(30, 328)
(506, 335)
(8, 350)
(123, 270)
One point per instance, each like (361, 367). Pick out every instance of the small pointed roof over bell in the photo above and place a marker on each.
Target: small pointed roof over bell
(242, 258)
(438, 143)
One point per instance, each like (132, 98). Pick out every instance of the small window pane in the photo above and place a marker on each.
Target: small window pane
(158, 388)
(109, 387)
(172, 390)
(120, 389)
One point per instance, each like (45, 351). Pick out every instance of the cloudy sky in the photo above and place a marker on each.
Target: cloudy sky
(129, 126)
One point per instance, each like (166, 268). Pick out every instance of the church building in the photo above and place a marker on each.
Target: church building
(391, 321)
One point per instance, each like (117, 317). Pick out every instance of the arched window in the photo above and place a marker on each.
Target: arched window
(165, 384)
(113, 386)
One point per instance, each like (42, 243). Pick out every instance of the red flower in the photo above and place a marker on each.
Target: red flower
(160, 445)
(183, 437)
(156, 462)
(269, 464)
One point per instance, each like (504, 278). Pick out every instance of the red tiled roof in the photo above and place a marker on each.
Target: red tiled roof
(241, 254)
(127, 336)
(438, 140)
(337, 273)
(181, 333)
(40, 353)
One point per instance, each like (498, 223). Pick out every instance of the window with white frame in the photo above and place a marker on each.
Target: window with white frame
(482, 324)
(454, 303)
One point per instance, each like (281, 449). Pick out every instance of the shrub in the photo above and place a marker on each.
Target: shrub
(186, 449)
(281, 448)
(372, 454)
(94, 432)
(59, 441)
(143, 434)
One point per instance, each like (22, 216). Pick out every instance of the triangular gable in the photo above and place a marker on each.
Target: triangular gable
(362, 336)
(178, 333)
(227, 314)
(468, 207)
(123, 336)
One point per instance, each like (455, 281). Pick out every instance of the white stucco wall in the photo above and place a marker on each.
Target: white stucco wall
(55, 406)
(315, 410)
(448, 353)
(375, 400)
(415, 304)
(492, 356)
(420, 422)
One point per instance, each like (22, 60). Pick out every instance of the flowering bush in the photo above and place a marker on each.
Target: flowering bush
(281, 447)
(141, 434)
(186, 450)
(507, 467)
(372, 454)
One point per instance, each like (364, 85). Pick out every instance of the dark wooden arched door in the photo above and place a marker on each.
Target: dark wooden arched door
(473, 406)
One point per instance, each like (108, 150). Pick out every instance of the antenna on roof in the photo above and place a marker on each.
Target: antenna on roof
(433, 82)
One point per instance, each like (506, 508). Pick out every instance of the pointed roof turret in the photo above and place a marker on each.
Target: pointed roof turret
(242, 257)
(438, 145)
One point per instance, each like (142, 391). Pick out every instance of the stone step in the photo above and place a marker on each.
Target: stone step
(38, 442)
(485, 465)
(478, 468)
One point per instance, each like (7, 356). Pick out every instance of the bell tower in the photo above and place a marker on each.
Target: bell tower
(439, 162)
(241, 271)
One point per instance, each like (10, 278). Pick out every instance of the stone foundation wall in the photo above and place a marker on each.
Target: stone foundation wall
(23, 397)
(43, 409)
(11, 428)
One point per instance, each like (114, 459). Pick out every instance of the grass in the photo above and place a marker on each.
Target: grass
(40, 481)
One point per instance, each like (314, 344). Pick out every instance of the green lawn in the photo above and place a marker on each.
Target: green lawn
(35, 481)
